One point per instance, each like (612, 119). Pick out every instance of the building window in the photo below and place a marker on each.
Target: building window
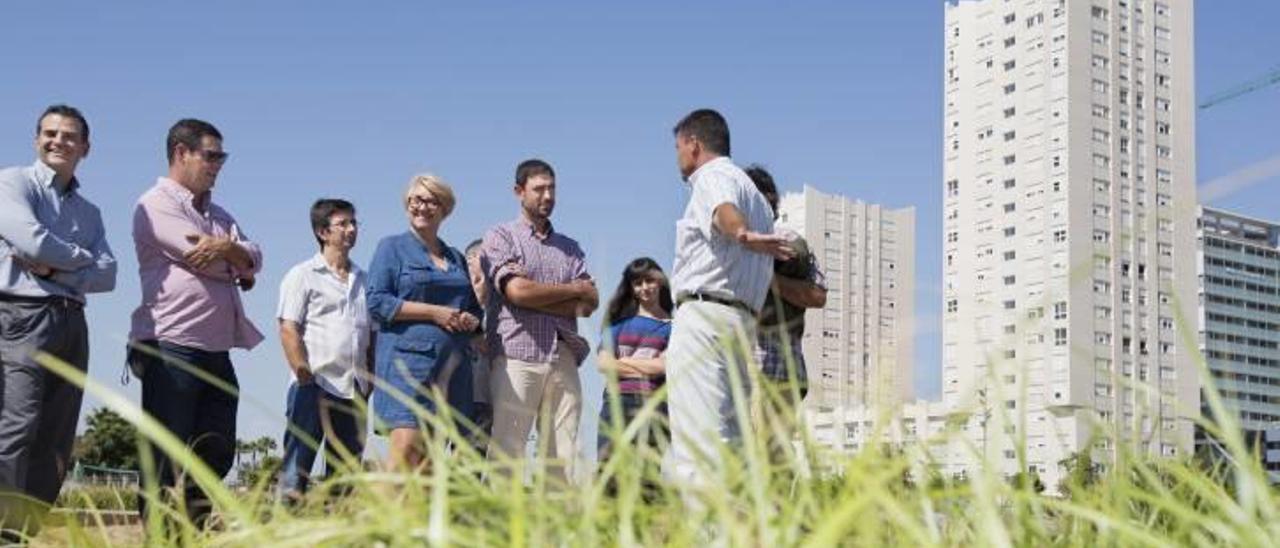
(1060, 310)
(1060, 336)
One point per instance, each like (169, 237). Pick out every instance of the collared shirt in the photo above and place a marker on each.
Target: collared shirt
(515, 249)
(713, 263)
(54, 227)
(334, 320)
(195, 308)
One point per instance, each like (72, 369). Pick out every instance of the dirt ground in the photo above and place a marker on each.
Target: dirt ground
(113, 535)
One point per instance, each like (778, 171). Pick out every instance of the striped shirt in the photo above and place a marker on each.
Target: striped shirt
(713, 263)
(514, 249)
(638, 337)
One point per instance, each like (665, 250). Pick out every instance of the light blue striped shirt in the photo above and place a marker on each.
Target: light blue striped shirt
(54, 227)
(713, 263)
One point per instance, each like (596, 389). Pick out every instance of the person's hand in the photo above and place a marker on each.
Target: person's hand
(773, 245)
(583, 289)
(303, 374)
(36, 269)
(246, 282)
(467, 322)
(207, 250)
(448, 319)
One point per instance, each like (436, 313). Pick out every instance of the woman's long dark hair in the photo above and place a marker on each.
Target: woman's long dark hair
(623, 304)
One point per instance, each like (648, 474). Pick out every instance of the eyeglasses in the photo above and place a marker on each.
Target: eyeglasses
(421, 202)
(214, 156)
(352, 223)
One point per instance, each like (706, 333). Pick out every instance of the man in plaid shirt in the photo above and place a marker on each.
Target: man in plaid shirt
(541, 288)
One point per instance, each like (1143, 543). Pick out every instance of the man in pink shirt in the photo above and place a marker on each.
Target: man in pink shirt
(193, 260)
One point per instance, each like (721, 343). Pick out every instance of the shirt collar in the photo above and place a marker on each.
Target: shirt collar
(181, 192)
(522, 221)
(710, 165)
(318, 264)
(45, 174)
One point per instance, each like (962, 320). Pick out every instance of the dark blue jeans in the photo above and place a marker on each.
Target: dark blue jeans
(317, 417)
(197, 412)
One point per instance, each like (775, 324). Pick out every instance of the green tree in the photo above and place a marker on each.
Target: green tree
(1081, 473)
(108, 441)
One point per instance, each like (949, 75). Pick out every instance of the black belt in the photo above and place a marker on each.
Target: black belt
(709, 298)
(52, 300)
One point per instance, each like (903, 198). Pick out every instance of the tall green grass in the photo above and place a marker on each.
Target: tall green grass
(761, 498)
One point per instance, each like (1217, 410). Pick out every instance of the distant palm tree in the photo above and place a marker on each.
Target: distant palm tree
(242, 447)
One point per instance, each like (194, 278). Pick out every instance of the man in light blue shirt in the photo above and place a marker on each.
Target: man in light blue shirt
(723, 266)
(53, 251)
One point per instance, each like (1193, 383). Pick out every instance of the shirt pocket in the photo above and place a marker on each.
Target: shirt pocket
(414, 278)
(416, 356)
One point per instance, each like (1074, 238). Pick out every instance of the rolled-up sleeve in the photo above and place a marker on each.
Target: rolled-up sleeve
(27, 235)
(383, 299)
(100, 275)
(578, 264)
(500, 260)
(250, 247)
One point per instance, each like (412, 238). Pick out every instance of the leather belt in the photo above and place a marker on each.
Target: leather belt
(52, 300)
(709, 298)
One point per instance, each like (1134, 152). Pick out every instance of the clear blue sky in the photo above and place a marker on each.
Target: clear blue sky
(349, 101)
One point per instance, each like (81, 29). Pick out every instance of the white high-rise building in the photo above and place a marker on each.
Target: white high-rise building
(858, 349)
(1069, 260)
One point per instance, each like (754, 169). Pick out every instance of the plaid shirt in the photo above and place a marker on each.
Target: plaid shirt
(781, 326)
(514, 249)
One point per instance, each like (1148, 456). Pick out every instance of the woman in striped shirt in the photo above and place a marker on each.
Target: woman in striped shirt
(630, 356)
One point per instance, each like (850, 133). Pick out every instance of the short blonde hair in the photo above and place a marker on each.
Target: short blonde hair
(434, 186)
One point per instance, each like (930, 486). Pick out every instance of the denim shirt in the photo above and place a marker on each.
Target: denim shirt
(401, 271)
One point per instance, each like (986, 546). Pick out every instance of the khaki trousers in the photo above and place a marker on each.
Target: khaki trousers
(551, 393)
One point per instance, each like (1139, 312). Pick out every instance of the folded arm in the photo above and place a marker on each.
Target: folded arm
(30, 238)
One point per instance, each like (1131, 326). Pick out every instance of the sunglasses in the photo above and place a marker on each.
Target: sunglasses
(214, 156)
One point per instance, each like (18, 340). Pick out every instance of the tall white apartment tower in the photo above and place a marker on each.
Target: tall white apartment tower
(858, 349)
(1069, 259)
